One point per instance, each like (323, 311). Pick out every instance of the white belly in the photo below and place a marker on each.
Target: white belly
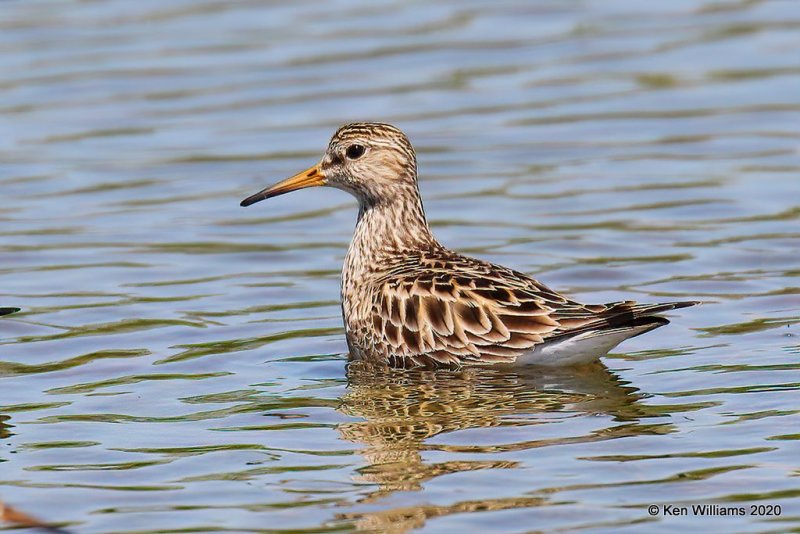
(580, 349)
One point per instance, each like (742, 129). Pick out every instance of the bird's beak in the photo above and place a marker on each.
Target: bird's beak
(312, 177)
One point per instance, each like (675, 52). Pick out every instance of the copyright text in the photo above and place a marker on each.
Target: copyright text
(714, 510)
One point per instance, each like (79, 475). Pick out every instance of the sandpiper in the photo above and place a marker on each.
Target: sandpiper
(407, 300)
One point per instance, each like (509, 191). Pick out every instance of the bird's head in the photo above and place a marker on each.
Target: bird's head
(373, 161)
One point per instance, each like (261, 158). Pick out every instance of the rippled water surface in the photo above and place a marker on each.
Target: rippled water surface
(179, 364)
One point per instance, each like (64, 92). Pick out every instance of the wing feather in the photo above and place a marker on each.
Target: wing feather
(451, 310)
(460, 320)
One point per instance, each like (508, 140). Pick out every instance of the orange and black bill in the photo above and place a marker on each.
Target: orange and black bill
(312, 177)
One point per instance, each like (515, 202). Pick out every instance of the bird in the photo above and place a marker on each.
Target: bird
(409, 301)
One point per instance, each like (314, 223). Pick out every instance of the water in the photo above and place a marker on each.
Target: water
(180, 364)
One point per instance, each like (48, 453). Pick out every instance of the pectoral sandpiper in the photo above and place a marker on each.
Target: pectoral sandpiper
(407, 300)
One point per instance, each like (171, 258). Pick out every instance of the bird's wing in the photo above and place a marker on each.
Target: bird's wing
(451, 310)
(454, 320)
(467, 311)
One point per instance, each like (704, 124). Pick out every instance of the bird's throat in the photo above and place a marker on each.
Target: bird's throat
(389, 227)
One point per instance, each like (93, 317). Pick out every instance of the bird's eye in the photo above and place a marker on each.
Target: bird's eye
(355, 151)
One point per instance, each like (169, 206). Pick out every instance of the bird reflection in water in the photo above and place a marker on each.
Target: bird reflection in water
(402, 409)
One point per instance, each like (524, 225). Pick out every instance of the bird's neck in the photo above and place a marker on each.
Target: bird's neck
(392, 226)
(387, 228)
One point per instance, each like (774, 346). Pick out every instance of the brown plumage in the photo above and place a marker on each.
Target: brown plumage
(408, 300)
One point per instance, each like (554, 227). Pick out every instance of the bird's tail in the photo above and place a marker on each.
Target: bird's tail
(625, 315)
